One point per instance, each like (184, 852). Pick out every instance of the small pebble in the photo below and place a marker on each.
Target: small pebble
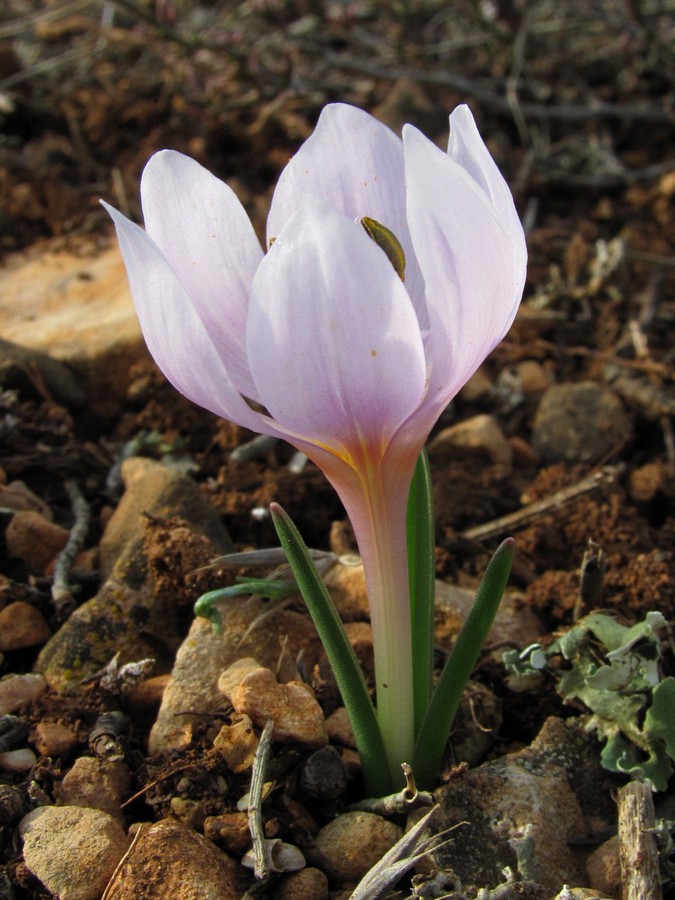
(323, 776)
(478, 387)
(21, 626)
(96, 783)
(18, 496)
(534, 378)
(293, 707)
(481, 434)
(170, 860)
(579, 423)
(308, 884)
(339, 728)
(360, 636)
(15, 690)
(230, 829)
(54, 738)
(20, 760)
(237, 744)
(604, 868)
(34, 539)
(353, 842)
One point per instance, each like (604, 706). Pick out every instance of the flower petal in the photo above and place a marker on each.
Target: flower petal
(177, 338)
(198, 223)
(465, 246)
(333, 341)
(466, 147)
(356, 163)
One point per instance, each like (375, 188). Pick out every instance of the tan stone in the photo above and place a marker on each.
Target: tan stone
(34, 539)
(481, 434)
(604, 868)
(96, 783)
(353, 842)
(21, 625)
(72, 850)
(171, 860)
(54, 738)
(292, 707)
(237, 744)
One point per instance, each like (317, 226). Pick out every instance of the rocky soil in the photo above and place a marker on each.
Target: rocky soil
(129, 731)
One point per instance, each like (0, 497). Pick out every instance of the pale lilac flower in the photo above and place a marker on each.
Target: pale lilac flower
(350, 364)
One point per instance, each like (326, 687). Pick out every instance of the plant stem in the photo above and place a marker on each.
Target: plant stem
(381, 536)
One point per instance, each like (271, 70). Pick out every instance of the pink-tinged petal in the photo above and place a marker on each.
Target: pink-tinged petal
(198, 223)
(473, 277)
(177, 338)
(466, 147)
(333, 341)
(356, 163)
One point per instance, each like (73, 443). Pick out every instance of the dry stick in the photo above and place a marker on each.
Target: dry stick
(255, 822)
(62, 595)
(560, 500)
(640, 876)
(564, 112)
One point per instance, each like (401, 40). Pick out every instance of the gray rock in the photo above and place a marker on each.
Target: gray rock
(579, 423)
(72, 850)
(526, 810)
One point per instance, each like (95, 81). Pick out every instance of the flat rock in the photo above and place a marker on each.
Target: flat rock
(72, 850)
(527, 810)
(79, 311)
(170, 860)
(579, 423)
(127, 614)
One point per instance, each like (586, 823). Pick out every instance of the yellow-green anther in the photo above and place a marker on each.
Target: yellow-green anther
(386, 239)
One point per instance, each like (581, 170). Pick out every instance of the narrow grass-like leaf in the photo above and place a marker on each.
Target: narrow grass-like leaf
(441, 712)
(341, 656)
(272, 589)
(421, 577)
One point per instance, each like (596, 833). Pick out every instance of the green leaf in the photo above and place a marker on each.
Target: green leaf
(272, 589)
(422, 580)
(435, 730)
(340, 654)
(660, 718)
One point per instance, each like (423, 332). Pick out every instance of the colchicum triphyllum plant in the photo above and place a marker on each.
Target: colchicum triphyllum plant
(391, 271)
